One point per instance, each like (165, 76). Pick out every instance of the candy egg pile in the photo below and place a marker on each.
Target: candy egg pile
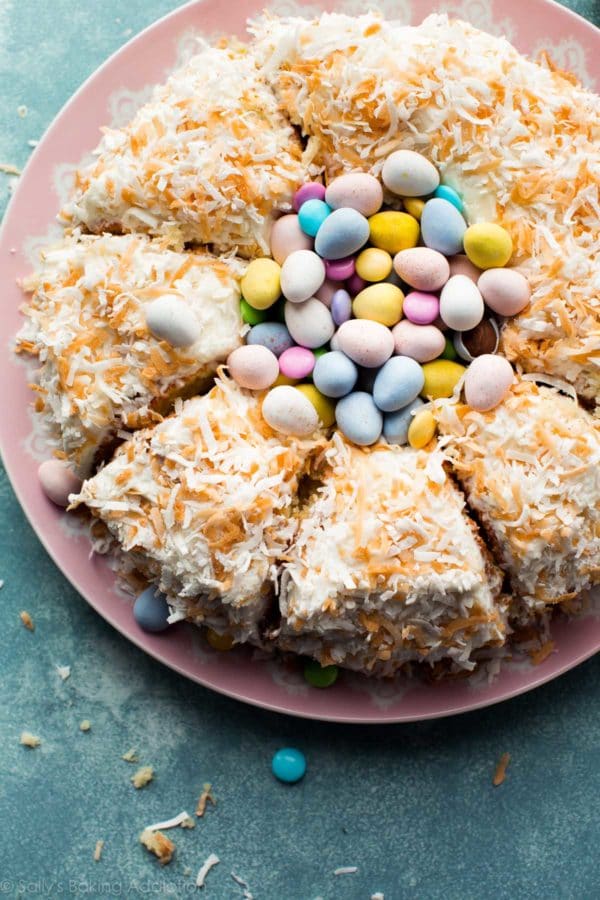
(366, 311)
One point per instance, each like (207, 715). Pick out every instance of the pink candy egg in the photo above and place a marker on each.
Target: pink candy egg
(326, 292)
(313, 190)
(488, 381)
(422, 268)
(505, 291)
(462, 265)
(421, 342)
(339, 269)
(356, 284)
(358, 190)
(253, 366)
(296, 362)
(421, 308)
(366, 342)
(57, 481)
(286, 237)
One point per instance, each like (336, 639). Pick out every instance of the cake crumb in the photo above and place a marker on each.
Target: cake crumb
(187, 870)
(22, 111)
(85, 725)
(32, 143)
(30, 740)
(27, 620)
(131, 756)
(207, 865)
(9, 169)
(64, 672)
(188, 823)
(500, 773)
(205, 797)
(377, 896)
(159, 844)
(98, 850)
(142, 777)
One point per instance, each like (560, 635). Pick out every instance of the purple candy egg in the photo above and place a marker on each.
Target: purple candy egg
(340, 269)
(356, 284)
(341, 307)
(297, 362)
(313, 190)
(421, 308)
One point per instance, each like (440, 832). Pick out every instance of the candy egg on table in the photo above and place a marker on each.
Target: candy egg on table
(373, 264)
(356, 190)
(462, 265)
(151, 610)
(272, 335)
(396, 424)
(422, 429)
(312, 214)
(414, 207)
(461, 303)
(359, 419)
(287, 236)
(487, 382)
(505, 291)
(288, 765)
(253, 366)
(326, 291)
(421, 308)
(261, 283)
(335, 374)
(448, 193)
(393, 231)
(379, 303)
(482, 339)
(341, 234)
(409, 174)
(421, 342)
(170, 319)
(366, 342)
(441, 377)
(341, 307)
(422, 268)
(324, 406)
(399, 381)
(287, 410)
(302, 274)
(58, 481)
(340, 269)
(309, 323)
(488, 245)
(312, 190)
(442, 227)
(297, 362)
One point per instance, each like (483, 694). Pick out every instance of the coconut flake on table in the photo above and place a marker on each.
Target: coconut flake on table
(207, 865)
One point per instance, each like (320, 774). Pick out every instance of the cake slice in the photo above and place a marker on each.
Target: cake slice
(387, 568)
(531, 472)
(209, 160)
(202, 506)
(102, 370)
(519, 141)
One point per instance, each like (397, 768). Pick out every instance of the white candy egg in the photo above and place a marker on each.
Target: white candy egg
(170, 319)
(302, 274)
(309, 323)
(287, 410)
(461, 303)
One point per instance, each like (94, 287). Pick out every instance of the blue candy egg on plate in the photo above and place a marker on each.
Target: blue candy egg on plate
(150, 610)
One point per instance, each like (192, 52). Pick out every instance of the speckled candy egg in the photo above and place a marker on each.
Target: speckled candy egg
(272, 335)
(367, 343)
(359, 419)
(287, 410)
(312, 190)
(341, 234)
(461, 303)
(409, 174)
(170, 319)
(462, 265)
(420, 342)
(57, 481)
(309, 323)
(421, 308)
(302, 274)
(393, 231)
(286, 237)
(356, 190)
(398, 383)
(396, 424)
(253, 367)
(422, 268)
(487, 382)
(442, 227)
(335, 374)
(505, 291)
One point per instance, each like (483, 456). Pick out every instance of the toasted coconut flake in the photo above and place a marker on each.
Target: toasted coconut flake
(27, 620)
(205, 797)
(98, 850)
(500, 771)
(159, 844)
(130, 756)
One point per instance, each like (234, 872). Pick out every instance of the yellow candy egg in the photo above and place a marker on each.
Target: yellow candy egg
(324, 406)
(373, 264)
(413, 206)
(218, 641)
(393, 231)
(261, 285)
(421, 430)
(380, 303)
(441, 377)
(283, 379)
(487, 245)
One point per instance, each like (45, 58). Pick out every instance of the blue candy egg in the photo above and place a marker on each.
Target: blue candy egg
(359, 419)
(341, 234)
(150, 610)
(341, 307)
(442, 227)
(396, 424)
(288, 765)
(312, 214)
(398, 383)
(445, 192)
(273, 335)
(334, 374)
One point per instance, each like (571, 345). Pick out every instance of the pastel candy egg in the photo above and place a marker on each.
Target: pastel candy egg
(326, 292)
(287, 410)
(253, 367)
(441, 377)
(420, 342)
(359, 419)
(251, 316)
(302, 274)
(422, 268)
(341, 234)
(339, 269)
(461, 303)
(309, 323)
(487, 382)
(422, 429)
(396, 424)
(57, 481)
(393, 231)
(482, 339)
(272, 335)
(447, 193)
(442, 227)
(324, 407)
(288, 765)
(151, 610)
(312, 214)
(312, 190)
(356, 284)
(421, 308)
(380, 303)
(170, 319)
(409, 174)
(373, 264)
(398, 383)
(335, 374)
(341, 307)
(462, 265)
(367, 343)
(287, 236)
(356, 190)
(488, 246)
(296, 362)
(414, 206)
(505, 291)
(261, 284)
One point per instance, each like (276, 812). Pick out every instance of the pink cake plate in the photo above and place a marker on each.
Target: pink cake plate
(110, 93)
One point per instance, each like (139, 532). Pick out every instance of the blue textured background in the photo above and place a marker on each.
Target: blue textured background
(412, 806)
